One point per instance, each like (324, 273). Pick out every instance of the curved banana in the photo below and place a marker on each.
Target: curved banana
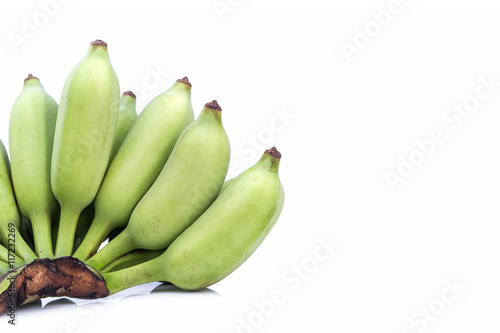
(127, 115)
(4, 254)
(138, 163)
(10, 218)
(131, 259)
(4, 268)
(126, 118)
(188, 184)
(10, 257)
(31, 137)
(221, 239)
(85, 127)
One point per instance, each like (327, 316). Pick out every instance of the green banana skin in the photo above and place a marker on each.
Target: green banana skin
(226, 184)
(140, 159)
(10, 258)
(84, 221)
(31, 137)
(10, 218)
(127, 115)
(4, 268)
(8, 262)
(4, 254)
(84, 133)
(131, 259)
(188, 184)
(221, 239)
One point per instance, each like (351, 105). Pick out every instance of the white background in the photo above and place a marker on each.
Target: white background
(342, 124)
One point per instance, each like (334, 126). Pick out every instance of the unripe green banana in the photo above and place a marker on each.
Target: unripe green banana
(9, 257)
(221, 239)
(188, 184)
(127, 115)
(226, 184)
(131, 259)
(138, 163)
(4, 254)
(85, 128)
(126, 118)
(9, 262)
(4, 268)
(10, 218)
(31, 137)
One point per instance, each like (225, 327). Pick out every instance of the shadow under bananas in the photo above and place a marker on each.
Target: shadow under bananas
(170, 288)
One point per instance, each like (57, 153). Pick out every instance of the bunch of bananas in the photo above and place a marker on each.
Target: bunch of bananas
(90, 169)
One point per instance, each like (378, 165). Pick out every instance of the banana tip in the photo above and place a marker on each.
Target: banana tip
(30, 77)
(273, 152)
(99, 42)
(129, 93)
(185, 81)
(213, 105)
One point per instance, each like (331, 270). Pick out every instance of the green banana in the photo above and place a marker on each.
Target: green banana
(131, 259)
(188, 184)
(10, 258)
(31, 137)
(221, 239)
(4, 254)
(138, 163)
(85, 127)
(226, 184)
(126, 118)
(4, 268)
(10, 218)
